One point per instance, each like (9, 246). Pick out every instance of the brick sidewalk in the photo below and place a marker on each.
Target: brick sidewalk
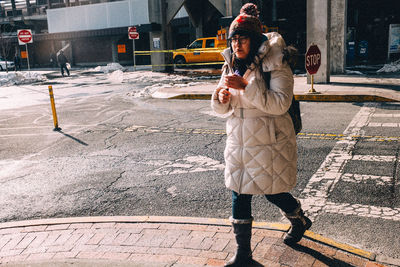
(156, 241)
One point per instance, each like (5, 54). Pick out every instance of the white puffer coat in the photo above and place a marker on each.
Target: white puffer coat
(261, 151)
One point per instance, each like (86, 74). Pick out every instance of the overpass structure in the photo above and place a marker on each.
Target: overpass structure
(326, 27)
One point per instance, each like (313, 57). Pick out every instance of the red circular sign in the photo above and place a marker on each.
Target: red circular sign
(25, 36)
(133, 34)
(313, 59)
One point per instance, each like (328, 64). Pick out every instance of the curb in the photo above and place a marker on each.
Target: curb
(188, 220)
(192, 96)
(343, 98)
(305, 97)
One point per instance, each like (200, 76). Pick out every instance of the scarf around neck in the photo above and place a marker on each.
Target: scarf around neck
(240, 65)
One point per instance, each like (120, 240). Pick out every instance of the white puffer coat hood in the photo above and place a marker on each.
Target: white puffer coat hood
(261, 152)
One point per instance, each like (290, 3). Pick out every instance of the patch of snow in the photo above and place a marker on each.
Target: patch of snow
(116, 76)
(159, 80)
(148, 91)
(110, 68)
(146, 76)
(354, 72)
(391, 67)
(365, 67)
(16, 78)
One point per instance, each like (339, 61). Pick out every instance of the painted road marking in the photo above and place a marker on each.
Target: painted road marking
(322, 183)
(318, 136)
(385, 124)
(34, 127)
(362, 178)
(189, 164)
(381, 115)
(154, 129)
(363, 210)
(374, 158)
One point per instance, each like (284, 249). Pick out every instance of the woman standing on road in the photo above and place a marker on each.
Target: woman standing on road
(261, 151)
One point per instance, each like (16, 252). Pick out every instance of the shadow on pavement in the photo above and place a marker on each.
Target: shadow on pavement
(73, 138)
(320, 257)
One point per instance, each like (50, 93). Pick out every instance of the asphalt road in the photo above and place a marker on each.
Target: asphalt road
(122, 155)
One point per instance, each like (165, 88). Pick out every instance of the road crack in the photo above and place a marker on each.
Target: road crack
(115, 181)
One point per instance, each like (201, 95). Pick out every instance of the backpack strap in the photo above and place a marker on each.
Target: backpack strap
(294, 109)
(266, 76)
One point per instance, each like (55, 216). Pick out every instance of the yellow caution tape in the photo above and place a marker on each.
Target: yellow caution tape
(181, 51)
(186, 64)
(212, 50)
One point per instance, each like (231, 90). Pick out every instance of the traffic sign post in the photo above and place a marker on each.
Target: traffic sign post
(313, 62)
(24, 38)
(133, 34)
(27, 56)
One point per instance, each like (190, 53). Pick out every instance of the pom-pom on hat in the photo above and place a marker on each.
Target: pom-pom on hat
(246, 22)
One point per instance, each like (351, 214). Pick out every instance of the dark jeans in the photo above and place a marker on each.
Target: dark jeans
(241, 204)
(64, 66)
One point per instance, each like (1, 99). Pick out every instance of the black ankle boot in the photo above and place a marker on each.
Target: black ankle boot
(243, 256)
(299, 224)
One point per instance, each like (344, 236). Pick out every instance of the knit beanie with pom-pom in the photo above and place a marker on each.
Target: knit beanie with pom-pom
(247, 22)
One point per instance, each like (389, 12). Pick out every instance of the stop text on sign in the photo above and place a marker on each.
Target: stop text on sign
(313, 60)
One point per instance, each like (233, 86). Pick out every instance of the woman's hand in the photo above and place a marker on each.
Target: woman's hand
(224, 96)
(235, 81)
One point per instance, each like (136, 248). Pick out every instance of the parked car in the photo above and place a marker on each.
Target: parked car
(200, 51)
(3, 62)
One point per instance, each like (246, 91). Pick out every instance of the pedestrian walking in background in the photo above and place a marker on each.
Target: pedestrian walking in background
(62, 60)
(53, 59)
(17, 62)
(261, 150)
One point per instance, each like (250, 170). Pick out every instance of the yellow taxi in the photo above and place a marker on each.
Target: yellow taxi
(202, 50)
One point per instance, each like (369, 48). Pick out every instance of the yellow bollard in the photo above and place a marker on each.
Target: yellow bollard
(53, 108)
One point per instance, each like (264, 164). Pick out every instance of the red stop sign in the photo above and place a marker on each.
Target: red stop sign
(313, 59)
(132, 33)
(25, 36)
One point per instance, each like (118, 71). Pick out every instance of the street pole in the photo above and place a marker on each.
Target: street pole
(312, 90)
(134, 58)
(27, 56)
